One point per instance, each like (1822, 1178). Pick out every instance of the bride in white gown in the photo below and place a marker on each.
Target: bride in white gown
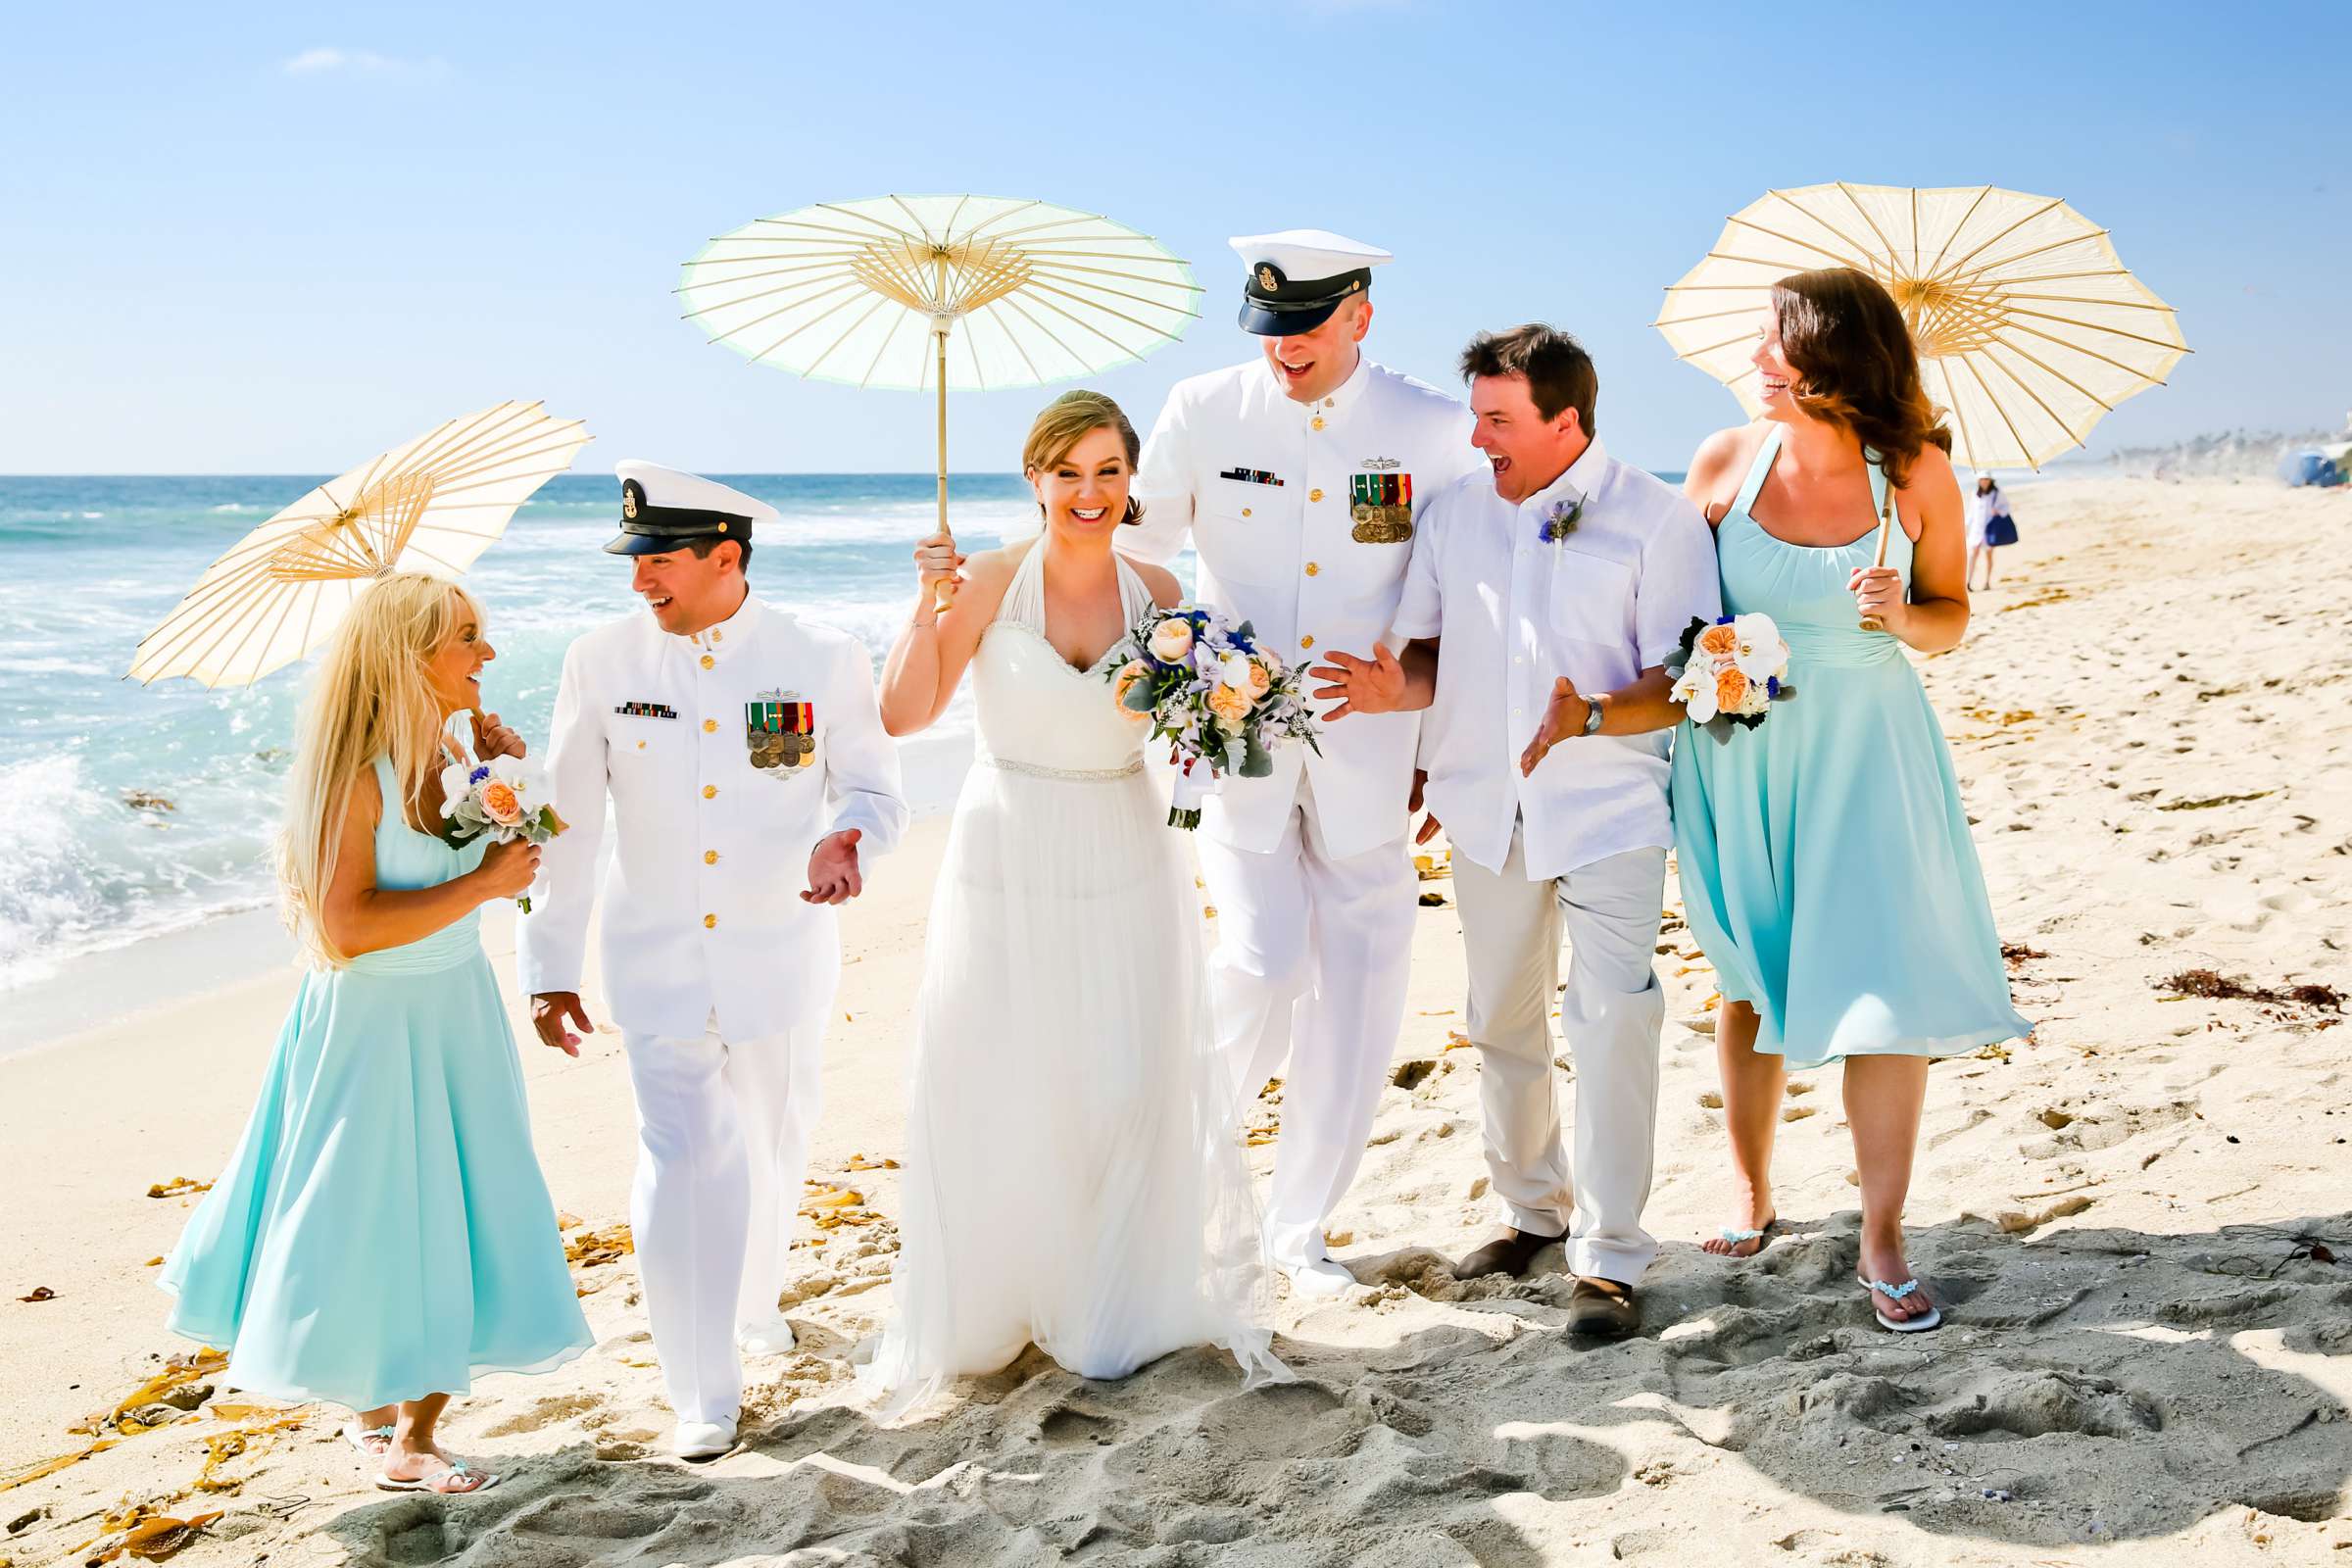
(1072, 1177)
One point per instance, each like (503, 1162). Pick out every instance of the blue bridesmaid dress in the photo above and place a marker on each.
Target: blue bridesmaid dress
(1825, 865)
(383, 1231)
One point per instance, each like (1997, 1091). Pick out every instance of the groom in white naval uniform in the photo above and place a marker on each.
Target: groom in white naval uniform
(751, 782)
(1297, 478)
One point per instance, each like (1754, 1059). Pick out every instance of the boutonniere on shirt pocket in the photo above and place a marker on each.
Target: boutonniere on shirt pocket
(1561, 520)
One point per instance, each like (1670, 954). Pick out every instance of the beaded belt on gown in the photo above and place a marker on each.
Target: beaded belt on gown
(1133, 766)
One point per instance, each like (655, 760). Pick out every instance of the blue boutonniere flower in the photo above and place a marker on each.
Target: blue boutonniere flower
(1561, 520)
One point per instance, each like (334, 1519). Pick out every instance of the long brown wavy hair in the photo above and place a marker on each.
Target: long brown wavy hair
(1844, 337)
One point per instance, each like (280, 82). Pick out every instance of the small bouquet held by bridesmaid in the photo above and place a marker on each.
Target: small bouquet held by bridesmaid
(1221, 702)
(497, 799)
(1730, 673)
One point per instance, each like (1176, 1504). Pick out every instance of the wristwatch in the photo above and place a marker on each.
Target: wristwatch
(1595, 709)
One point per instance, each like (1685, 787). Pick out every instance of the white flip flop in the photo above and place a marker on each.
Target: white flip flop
(1933, 1319)
(433, 1483)
(359, 1437)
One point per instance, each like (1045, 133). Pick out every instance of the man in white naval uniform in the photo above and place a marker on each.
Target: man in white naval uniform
(751, 781)
(1297, 478)
(1545, 599)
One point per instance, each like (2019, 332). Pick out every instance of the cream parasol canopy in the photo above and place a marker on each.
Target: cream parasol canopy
(2029, 328)
(434, 505)
(968, 293)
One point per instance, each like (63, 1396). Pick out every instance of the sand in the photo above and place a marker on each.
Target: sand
(2137, 1222)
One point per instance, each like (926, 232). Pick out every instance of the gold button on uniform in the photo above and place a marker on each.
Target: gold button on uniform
(1244, 511)
(709, 791)
(709, 857)
(1312, 569)
(709, 726)
(1318, 422)
(1306, 642)
(710, 922)
(1314, 495)
(708, 663)
(719, 636)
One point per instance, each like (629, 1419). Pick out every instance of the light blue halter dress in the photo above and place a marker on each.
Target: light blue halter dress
(1825, 865)
(382, 1232)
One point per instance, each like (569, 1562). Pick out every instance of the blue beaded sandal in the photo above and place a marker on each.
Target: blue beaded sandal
(1933, 1318)
(1761, 1235)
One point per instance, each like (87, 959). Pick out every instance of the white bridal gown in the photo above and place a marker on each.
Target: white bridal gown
(1073, 1174)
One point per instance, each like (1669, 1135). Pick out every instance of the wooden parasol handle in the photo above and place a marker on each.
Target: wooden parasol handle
(943, 592)
(1885, 533)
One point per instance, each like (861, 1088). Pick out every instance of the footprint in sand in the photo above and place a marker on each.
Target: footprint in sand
(546, 1412)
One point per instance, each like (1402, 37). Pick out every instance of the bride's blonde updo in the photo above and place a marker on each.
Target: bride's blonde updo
(1067, 420)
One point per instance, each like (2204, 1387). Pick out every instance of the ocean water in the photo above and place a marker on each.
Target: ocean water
(131, 811)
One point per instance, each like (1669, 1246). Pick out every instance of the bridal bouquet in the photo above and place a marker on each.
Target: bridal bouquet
(1220, 700)
(499, 800)
(1730, 673)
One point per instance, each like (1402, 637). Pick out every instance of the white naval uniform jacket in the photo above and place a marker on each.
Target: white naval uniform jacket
(702, 915)
(1267, 489)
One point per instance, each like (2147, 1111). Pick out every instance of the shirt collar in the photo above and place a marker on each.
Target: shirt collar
(731, 632)
(1334, 403)
(1581, 479)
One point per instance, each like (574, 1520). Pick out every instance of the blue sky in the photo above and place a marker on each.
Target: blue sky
(276, 238)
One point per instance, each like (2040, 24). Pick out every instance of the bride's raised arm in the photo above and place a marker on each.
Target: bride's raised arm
(927, 663)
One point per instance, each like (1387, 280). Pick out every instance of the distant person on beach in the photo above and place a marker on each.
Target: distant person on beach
(1989, 527)
(1825, 865)
(750, 786)
(1547, 595)
(382, 1235)
(1072, 1180)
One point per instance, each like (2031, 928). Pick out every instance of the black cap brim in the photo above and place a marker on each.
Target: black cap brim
(646, 544)
(1266, 323)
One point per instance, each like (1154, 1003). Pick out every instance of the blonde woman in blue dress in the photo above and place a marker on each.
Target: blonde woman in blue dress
(382, 1235)
(1825, 861)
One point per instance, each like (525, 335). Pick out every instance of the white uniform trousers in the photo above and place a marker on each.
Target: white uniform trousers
(722, 1145)
(1311, 961)
(1612, 1013)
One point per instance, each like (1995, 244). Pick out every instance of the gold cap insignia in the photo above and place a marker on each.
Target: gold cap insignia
(628, 501)
(1267, 279)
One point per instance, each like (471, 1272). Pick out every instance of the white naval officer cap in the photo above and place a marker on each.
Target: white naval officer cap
(1298, 276)
(664, 510)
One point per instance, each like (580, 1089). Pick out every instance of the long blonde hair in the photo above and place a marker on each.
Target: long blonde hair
(370, 698)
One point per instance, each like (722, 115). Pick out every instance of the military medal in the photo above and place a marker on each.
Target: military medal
(780, 731)
(1382, 504)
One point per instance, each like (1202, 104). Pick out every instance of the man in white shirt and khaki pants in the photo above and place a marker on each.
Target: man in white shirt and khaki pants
(1543, 601)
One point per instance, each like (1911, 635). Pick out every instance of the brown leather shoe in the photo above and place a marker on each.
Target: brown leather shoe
(1602, 1309)
(1509, 1254)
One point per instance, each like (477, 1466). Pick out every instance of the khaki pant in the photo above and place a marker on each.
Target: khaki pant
(1611, 1014)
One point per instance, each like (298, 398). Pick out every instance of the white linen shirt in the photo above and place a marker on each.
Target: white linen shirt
(1264, 487)
(702, 916)
(1513, 613)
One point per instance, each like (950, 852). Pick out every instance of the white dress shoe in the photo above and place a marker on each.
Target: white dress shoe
(702, 1440)
(1320, 1278)
(771, 1337)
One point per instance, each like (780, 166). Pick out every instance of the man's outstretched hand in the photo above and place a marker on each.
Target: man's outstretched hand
(550, 1010)
(1374, 685)
(833, 875)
